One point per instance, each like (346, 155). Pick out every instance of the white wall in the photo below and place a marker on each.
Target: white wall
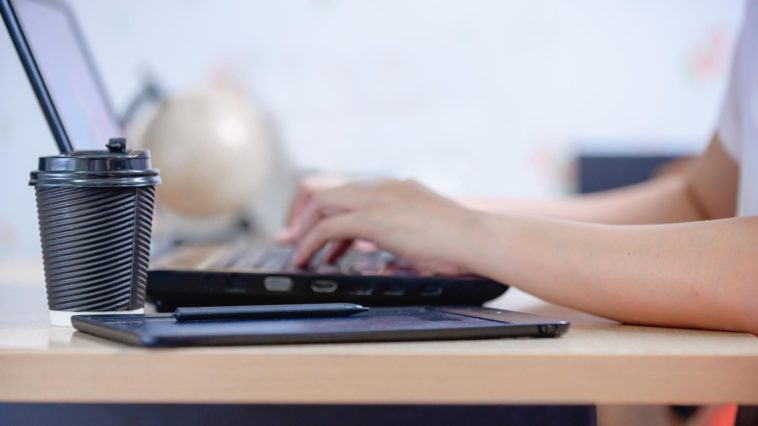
(480, 96)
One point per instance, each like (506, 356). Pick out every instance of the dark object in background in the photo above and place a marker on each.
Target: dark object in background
(310, 415)
(747, 415)
(603, 172)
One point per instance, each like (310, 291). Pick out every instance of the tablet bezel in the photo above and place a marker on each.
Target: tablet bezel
(504, 324)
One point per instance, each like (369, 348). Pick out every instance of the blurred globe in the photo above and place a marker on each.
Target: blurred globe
(213, 149)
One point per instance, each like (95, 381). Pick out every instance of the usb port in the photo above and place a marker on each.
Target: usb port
(431, 290)
(360, 290)
(394, 290)
(324, 286)
(277, 284)
(236, 284)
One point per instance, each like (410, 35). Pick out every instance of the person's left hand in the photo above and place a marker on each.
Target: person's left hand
(402, 217)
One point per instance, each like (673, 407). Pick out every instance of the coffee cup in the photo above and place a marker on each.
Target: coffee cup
(95, 211)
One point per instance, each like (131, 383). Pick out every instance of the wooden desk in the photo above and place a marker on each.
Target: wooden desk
(597, 362)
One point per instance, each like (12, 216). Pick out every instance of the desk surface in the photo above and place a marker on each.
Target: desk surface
(598, 361)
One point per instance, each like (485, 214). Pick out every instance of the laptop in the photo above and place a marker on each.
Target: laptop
(79, 114)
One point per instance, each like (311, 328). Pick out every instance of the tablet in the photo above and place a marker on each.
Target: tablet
(375, 325)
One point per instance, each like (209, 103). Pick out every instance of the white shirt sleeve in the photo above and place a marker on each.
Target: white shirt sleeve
(730, 121)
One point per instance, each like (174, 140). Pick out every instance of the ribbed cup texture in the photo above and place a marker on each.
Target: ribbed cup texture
(95, 246)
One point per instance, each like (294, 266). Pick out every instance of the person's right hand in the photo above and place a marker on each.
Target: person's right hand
(308, 186)
(410, 221)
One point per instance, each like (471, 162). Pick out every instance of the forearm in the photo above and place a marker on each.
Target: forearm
(692, 275)
(661, 200)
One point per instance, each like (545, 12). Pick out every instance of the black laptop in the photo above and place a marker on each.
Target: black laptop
(77, 109)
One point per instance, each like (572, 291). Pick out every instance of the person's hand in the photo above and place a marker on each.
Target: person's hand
(307, 186)
(402, 217)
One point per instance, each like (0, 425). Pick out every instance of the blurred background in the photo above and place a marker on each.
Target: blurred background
(480, 97)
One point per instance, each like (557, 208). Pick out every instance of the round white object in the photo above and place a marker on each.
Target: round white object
(213, 149)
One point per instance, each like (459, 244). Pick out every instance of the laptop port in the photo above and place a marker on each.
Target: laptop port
(277, 284)
(394, 290)
(236, 284)
(361, 290)
(324, 286)
(431, 290)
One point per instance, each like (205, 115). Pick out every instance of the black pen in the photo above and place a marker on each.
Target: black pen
(310, 310)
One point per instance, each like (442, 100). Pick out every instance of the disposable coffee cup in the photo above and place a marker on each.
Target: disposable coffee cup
(95, 211)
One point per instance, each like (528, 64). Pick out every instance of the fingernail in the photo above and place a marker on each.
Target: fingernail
(284, 236)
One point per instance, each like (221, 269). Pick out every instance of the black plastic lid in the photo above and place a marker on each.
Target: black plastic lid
(116, 167)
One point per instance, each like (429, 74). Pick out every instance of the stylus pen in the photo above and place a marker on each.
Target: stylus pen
(312, 310)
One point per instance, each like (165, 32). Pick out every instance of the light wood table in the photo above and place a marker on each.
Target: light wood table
(598, 362)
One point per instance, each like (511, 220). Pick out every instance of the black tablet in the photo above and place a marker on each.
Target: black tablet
(375, 325)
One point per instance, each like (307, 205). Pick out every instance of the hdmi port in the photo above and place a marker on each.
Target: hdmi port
(323, 286)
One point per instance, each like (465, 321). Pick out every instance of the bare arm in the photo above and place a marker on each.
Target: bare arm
(696, 274)
(667, 199)
(700, 274)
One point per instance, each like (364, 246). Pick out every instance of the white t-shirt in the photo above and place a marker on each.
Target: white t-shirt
(738, 126)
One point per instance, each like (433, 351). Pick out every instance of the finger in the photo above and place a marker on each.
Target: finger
(329, 203)
(312, 213)
(286, 236)
(304, 193)
(436, 267)
(365, 246)
(338, 250)
(340, 227)
(309, 185)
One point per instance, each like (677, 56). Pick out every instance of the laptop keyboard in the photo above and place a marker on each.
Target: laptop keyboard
(353, 262)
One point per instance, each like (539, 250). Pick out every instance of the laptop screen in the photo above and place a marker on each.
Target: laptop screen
(69, 76)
